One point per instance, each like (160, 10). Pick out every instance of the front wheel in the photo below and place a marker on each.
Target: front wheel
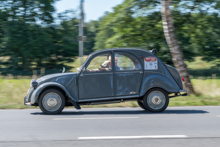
(156, 100)
(52, 101)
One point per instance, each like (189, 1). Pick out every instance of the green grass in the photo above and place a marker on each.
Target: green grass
(199, 63)
(12, 92)
(203, 69)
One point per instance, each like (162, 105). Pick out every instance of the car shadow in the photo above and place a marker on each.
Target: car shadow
(125, 112)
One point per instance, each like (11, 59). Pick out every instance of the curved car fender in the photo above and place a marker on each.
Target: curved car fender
(35, 95)
(159, 81)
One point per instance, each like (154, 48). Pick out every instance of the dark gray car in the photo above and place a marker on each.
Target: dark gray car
(109, 76)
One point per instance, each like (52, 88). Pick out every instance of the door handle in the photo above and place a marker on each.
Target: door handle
(141, 72)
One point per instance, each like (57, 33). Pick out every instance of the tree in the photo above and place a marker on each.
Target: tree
(31, 46)
(105, 31)
(30, 40)
(130, 26)
(177, 55)
(28, 10)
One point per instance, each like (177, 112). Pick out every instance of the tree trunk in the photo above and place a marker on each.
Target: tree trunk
(177, 55)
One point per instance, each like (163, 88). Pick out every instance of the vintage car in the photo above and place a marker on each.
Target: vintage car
(109, 76)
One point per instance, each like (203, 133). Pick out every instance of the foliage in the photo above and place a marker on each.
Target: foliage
(28, 10)
(90, 32)
(105, 31)
(30, 40)
(29, 45)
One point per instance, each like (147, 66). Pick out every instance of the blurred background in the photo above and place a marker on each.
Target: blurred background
(39, 37)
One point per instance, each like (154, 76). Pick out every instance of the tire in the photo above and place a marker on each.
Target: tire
(140, 103)
(156, 100)
(52, 101)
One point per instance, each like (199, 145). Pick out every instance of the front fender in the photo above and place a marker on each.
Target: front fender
(158, 81)
(35, 95)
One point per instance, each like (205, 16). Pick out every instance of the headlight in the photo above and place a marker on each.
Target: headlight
(34, 83)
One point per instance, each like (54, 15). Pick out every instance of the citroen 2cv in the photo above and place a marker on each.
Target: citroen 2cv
(109, 76)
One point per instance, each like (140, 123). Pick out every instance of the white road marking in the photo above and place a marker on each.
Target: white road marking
(134, 137)
(95, 118)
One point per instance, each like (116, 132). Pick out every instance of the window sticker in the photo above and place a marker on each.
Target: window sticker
(150, 63)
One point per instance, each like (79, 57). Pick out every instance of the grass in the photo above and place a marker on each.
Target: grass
(203, 69)
(12, 92)
(208, 93)
(198, 63)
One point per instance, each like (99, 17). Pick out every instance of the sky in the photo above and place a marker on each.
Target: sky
(93, 8)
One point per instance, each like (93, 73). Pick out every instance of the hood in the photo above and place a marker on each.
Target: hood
(61, 78)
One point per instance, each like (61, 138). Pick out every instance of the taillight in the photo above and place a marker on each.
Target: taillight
(183, 79)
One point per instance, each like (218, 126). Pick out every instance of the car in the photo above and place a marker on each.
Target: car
(109, 76)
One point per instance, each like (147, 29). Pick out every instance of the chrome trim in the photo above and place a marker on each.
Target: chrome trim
(109, 98)
(28, 104)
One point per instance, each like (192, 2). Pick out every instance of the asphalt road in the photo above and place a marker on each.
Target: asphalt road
(176, 126)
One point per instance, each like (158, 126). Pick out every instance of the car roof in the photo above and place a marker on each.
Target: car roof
(120, 49)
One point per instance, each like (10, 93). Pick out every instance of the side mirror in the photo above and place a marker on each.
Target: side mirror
(63, 70)
(153, 51)
(78, 69)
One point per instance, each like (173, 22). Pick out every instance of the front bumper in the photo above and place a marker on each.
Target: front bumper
(183, 92)
(26, 102)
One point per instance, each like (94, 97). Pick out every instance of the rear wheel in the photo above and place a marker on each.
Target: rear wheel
(140, 103)
(52, 101)
(156, 100)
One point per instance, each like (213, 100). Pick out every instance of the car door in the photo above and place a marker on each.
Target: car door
(96, 81)
(128, 73)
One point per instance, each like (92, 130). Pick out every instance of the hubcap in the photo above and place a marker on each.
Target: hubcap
(156, 100)
(52, 101)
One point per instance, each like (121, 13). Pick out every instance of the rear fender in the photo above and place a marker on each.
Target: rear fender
(158, 81)
(35, 95)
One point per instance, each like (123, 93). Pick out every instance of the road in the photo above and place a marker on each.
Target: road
(176, 126)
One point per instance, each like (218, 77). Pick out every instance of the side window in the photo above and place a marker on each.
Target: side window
(100, 63)
(125, 61)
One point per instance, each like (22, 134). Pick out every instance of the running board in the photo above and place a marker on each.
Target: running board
(107, 102)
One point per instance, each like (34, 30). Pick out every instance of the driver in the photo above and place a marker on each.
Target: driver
(107, 66)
